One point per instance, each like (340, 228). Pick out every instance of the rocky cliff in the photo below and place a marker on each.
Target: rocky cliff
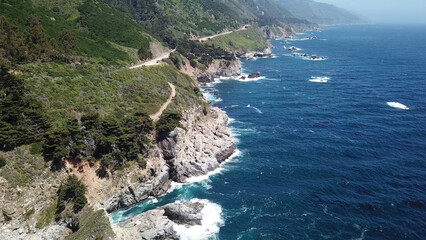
(198, 147)
(218, 68)
(203, 142)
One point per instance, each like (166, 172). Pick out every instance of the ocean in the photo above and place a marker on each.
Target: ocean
(330, 148)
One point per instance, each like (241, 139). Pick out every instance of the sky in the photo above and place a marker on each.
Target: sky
(385, 11)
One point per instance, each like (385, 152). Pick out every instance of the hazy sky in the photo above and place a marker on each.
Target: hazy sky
(390, 11)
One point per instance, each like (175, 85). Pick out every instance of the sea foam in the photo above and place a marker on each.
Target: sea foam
(398, 105)
(319, 79)
(210, 224)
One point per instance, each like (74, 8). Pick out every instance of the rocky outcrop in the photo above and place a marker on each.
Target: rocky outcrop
(157, 184)
(218, 68)
(275, 32)
(160, 223)
(200, 148)
(254, 75)
(251, 55)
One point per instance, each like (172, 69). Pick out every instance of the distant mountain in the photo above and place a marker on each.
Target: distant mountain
(320, 13)
(180, 18)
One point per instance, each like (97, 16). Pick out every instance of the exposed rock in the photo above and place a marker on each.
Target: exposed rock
(157, 184)
(184, 213)
(54, 232)
(251, 55)
(218, 68)
(159, 223)
(254, 75)
(148, 225)
(205, 79)
(201, 148)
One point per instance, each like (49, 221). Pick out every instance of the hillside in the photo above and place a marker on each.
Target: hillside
(181, 19)
(77, 132)
(320, 13)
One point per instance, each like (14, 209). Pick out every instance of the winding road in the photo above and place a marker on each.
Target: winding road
(155, 61)
(203, 39)
(156, 116)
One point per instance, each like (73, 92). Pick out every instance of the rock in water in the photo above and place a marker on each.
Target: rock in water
(159, 223)
(254, 75)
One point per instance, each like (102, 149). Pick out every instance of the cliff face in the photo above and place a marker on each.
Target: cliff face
(201, 148)
(198, 147)
(218, 68)
(195, 151)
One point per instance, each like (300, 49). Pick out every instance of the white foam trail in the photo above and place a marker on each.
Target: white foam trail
(398, 105)
(250, 79)
(210, 224)
(255, 108)
(319, 79)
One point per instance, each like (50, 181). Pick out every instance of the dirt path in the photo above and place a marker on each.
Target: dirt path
(156, 116)
(155, 61)
(203, 39)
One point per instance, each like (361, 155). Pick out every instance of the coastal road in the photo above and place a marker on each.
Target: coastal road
(155, 61)
(203, 39)
(156, 116)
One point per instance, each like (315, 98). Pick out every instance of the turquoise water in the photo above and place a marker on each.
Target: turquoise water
(325, 150)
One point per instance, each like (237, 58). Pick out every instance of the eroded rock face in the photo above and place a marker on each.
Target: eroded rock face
(160, 223)
(157, 184)
(53, 232)
(200, 148)
(218, 68)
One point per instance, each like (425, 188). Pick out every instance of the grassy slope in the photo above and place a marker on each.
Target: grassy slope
(179, 17)
(93, 225)
(105, 36)
(95, 24)
(241, 41)
(63, 89)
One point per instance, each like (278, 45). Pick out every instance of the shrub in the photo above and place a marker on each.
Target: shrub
(2, 162)
(36, 148)
(72, 191)
(144, 53)
(168, 122)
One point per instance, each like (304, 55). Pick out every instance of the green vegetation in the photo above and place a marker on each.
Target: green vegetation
(200, 54)
(23, 167)
(2, 162)
(168, 122)
(21, 119)
(46, 217)
(73, 191)
(242, 41)
(179, 18)
(93, 225)
(29, 213)
(93, 26)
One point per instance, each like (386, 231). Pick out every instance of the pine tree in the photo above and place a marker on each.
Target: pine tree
(67, 40)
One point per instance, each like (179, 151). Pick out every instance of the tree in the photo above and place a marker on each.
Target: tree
(67, 40)
(72, 191)
(55, 146)
(21, 118)
(76, 144)
(168, 122)
(144, 53)
(40, 46)
(12, 44)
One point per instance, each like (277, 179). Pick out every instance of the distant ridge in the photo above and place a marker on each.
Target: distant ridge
(320, 13)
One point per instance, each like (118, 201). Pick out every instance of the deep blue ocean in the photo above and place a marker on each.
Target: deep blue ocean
(327, 150)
